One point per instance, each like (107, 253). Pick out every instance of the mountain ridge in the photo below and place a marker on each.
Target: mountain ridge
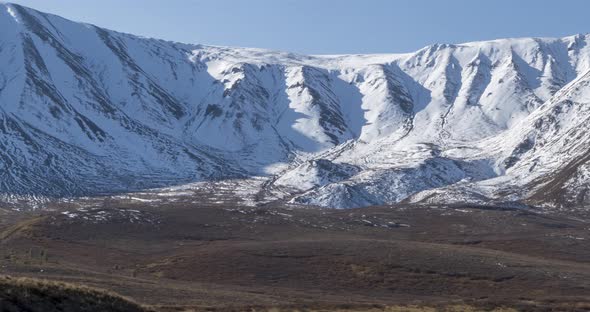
(88, 111)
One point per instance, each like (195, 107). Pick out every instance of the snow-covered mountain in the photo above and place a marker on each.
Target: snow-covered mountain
(87, 111)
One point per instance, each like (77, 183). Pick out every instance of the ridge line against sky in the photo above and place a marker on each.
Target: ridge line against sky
(327, 26)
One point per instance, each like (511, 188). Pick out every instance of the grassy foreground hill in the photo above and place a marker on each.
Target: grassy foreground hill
(25, 294)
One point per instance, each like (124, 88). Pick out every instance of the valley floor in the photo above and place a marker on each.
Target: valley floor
(224, 257)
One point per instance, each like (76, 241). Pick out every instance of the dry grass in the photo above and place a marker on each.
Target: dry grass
(19, 228)
(256, 259)
(25, 294)
(401, 308)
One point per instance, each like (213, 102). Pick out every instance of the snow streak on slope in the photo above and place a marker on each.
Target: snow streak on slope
(87, 111)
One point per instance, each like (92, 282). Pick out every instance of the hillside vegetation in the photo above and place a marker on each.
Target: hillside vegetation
(24, 294)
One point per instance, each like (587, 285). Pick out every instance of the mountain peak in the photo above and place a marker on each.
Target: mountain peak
(9, 11)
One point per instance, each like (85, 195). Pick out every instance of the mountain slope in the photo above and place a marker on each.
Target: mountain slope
(88, 111)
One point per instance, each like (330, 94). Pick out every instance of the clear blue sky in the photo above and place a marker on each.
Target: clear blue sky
(328, 26)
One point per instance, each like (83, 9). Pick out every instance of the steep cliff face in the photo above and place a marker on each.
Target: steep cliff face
(87, 111)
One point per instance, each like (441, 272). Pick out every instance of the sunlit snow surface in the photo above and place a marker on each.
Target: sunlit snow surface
(87, 112)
